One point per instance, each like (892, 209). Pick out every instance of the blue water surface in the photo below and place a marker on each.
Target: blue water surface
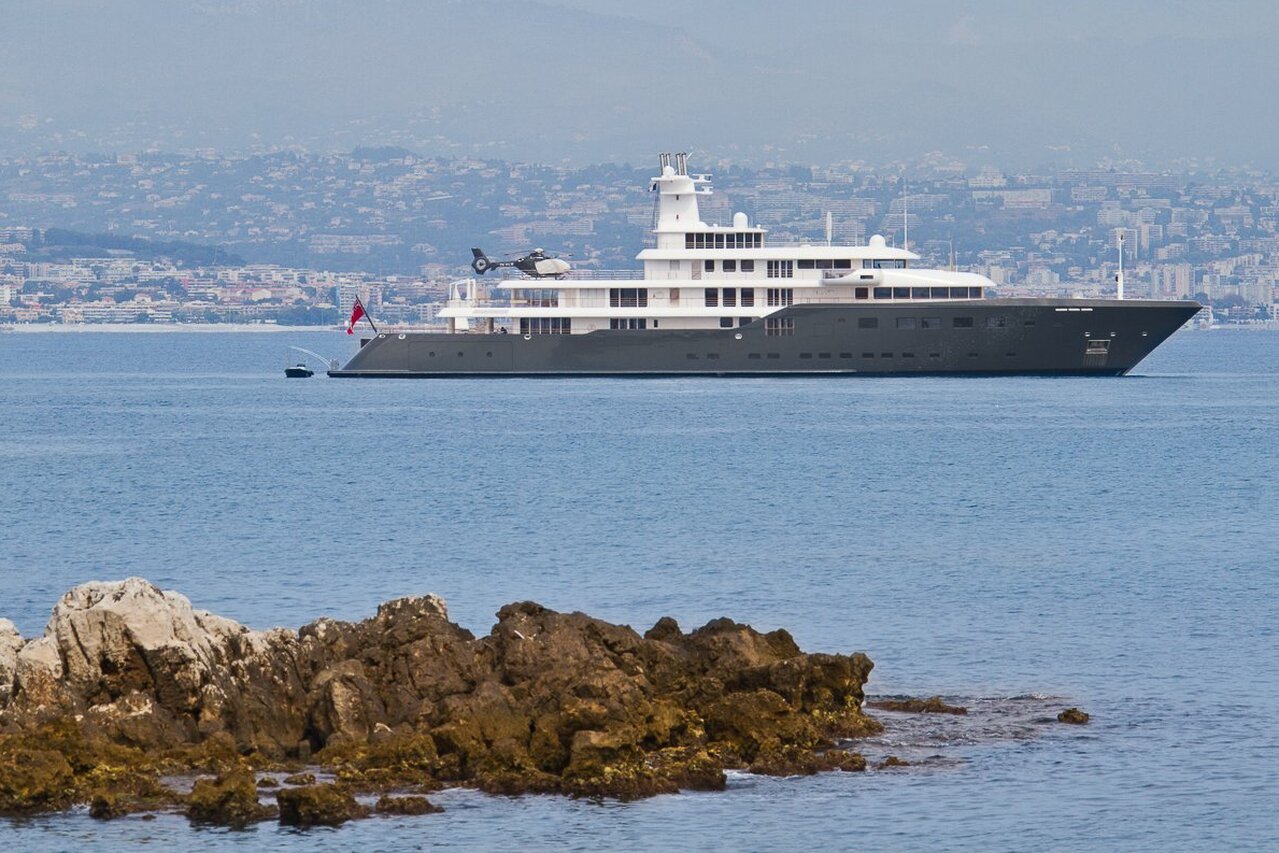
(1108, 542)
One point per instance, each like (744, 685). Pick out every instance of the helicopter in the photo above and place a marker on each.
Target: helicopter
(535, 264)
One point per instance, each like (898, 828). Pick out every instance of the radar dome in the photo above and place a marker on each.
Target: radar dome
(878, 242)
(739, 220)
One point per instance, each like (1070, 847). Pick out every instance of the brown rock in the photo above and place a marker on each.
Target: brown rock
(34, 780)
(931, 705)
(891, 761)
(318, 805)
(406, 806)
(546, 702)
(1074, 717)
(300, 779)
(230, 799)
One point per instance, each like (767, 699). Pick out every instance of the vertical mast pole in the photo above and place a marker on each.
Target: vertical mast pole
(1119, 279)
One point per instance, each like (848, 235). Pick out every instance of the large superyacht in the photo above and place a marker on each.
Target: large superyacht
(721, 300)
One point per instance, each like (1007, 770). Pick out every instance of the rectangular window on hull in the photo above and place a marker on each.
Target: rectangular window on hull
(906, 322)
(546, 326)
(868, 322)
(930, 323)
(779, 326)
(628, 323)
(726, 322)
(962, 322)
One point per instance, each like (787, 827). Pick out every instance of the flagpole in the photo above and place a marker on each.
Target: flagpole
(367, 315)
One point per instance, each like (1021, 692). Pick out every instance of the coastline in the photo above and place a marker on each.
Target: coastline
(160, 328)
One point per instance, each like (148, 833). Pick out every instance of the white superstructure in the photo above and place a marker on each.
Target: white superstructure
(700, 276)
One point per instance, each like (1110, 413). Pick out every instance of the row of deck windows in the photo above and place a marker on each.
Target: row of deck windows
(546, 326)
(753, 240)
(728, 297)
(729, 265)
(786, 269)
(628, 297)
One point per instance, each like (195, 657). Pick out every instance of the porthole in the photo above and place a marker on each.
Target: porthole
(402, 337)
(738, 336)
(528, 337)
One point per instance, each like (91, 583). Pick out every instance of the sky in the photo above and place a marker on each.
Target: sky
(1012, 83)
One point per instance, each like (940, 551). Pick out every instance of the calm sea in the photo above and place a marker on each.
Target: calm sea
(1106, 543)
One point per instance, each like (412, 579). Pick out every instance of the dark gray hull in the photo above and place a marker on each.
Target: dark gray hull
(986, 337)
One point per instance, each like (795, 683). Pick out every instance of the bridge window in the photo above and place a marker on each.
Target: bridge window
(628, 297)
(884, 264)
(883, 293)
(537, 298)
(546, 326)
(781, 269)
(901, 293)
(780, 295)
(779, 326)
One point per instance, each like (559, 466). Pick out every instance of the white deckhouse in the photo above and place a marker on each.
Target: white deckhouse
(701, 276)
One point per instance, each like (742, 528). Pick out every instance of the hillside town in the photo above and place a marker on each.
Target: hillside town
(293, 238)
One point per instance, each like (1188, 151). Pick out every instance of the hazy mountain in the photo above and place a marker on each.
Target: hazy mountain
(617, 79)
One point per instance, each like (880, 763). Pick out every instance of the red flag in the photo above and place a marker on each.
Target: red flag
(356, 313)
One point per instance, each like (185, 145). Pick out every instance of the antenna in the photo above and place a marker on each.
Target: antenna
(829, 227)
(1119, 278)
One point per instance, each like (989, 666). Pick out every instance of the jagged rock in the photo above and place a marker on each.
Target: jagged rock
(10, 644)
(318, 805)
(547, 702)
(300, 779)
(230, 799)
(34, 780)
(891, 761)
(931, 705)
(1074, 717)
(406, 806)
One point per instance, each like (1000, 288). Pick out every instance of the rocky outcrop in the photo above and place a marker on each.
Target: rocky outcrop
(319, 805)
(548, 701)
(1074, 717)
(931, 705)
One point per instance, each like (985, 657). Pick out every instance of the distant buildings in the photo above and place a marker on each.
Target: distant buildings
(394, 230)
